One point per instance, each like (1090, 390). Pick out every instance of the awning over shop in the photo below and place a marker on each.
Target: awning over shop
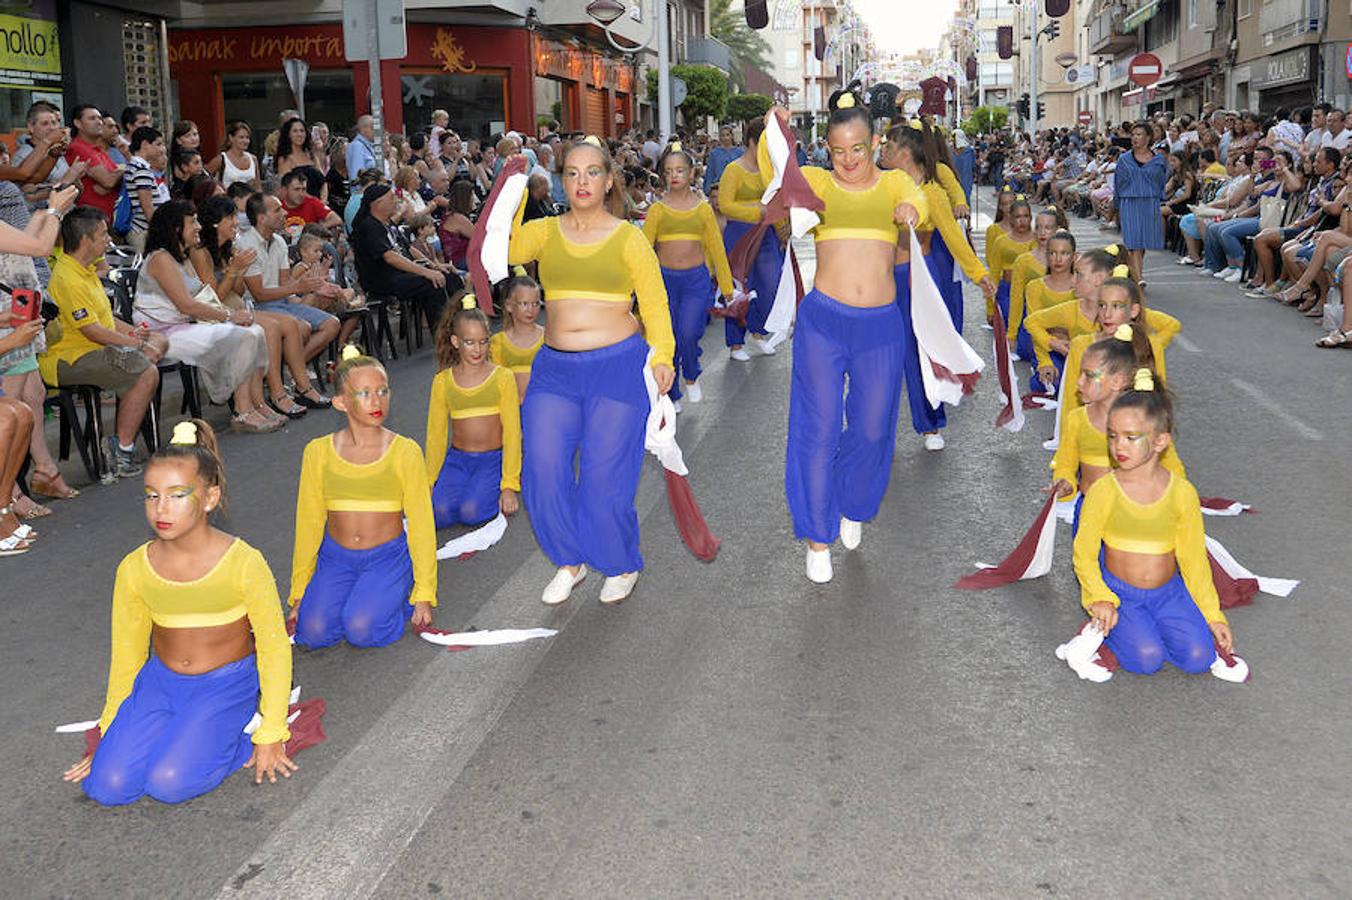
(1140, 16)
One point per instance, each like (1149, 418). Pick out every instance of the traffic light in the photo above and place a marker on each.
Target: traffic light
(1004, 41)
(1053, 30)
(1041, 111)
(1022, 107)
(1057, 8)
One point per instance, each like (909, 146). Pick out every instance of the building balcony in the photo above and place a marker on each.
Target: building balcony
(708, 52)
(1282, 19)
(1107, 34)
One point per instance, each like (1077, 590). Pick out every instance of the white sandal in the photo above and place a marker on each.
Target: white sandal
(14, 543)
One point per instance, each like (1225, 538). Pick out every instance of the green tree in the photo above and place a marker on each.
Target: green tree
(748, 48)
(706, 91)
(985, 119)
(744, 107)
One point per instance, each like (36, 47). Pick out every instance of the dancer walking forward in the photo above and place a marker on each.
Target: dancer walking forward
(206, 604)
(849, 326)
(739, 199)
(684, 232)
(588, 400)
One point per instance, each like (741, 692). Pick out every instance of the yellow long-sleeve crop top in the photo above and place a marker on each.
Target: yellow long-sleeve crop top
(397, 482)
(1172, 524)
(740, 191)
(955, 239)
(952, 186)
(868, 214)
(239, 585)
(1039, 295)
(616, 268)
(993, 232)
(1070, 397)
(511, 357)
(1001, 257)
(1025, 268)
(1067, 316)
(1084, 445)
(495, 396)
(695, 224)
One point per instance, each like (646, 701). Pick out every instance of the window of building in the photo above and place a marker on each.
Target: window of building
(988, 40)
(257, 99)
(1192, 13)
(477, 103)
(1245, 8)
(1162, 28)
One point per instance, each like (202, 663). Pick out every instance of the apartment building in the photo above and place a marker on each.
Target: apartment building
(995, 76)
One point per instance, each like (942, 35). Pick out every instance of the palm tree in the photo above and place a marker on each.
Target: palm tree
(747, 47)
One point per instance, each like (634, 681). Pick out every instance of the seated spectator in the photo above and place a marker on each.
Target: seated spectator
(228, 349)
(268, 279)
(186, 163)
(329, 296)
(302, 208)
(424, 245)
(145, 181)
(41, 155)
(457, 225)
(385, 271)
(95, 348)
(540, 205)
(406, 187)
(16, 431)
(367, 178)
(236, 165)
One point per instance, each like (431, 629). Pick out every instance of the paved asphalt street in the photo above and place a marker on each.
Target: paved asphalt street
(733, 730)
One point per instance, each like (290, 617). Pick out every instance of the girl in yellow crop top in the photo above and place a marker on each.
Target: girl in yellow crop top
(740, 191)
(357, 574)
(1008, 246)
(683, 231)
(1000, 226)
(522, 336)
(1140, 552)
(588, 399)
(473, 408)
(198, 645)
(850, 324)
(1028, 266)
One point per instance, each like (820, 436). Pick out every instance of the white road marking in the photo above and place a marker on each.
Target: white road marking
(1186, 344)
(1262, 399)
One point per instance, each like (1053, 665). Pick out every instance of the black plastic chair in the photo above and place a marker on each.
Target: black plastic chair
(121, 287)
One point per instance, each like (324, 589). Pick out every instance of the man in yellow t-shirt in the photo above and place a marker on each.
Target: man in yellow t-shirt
(95, 348)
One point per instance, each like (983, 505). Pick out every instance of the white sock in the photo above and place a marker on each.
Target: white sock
(126, 448)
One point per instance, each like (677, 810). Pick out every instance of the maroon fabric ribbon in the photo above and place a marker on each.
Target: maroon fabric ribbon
(689, 519)
(1233, 591)
(483, 288)
(794, 191)
(1002, 370)
(1016, 563)
(1222, 503)
(308, 728)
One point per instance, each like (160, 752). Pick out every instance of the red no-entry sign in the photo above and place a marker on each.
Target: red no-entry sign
(1145, 69)
(1085, 117)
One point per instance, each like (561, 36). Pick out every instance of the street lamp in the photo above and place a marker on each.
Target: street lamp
(606, 13)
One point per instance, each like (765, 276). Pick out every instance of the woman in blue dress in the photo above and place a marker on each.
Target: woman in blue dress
(1138, 186)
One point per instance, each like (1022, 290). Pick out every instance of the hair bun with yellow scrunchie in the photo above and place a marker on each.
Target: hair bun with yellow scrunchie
(1144, 380)
(351, 351)
(1121, 271)
(1112, 249)
(469, 302)
(1124, 332)
(185, 434)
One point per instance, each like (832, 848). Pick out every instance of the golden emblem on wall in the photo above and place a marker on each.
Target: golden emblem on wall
(450, 53)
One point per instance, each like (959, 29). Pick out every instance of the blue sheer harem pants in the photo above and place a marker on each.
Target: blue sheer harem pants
(1159, 625)
(763, 279)
(924, 418)
(944, 271)
(467, 488)
(840, 446)
(689, 294)
(176, 736)
(583, 425)
(358, 596)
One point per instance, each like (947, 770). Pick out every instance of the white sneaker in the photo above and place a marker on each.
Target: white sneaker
(1204, 271)
(560, 588)
(617, 588)
(1236, 674)
(934, 441)
(851, 533)
(1224, 273)
(741, 355)
(1186, 261)
(693, 392)
(676, 406)
(764, 348)
(819, 566)
(1233, 277)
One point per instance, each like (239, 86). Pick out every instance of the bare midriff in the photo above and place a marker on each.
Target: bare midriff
(362, 530)
(856, 272)
(193, 651)
(680, 254)
(477, 434)
(1143, 570)
(1090, 474)
(577, 325)
(903, 254)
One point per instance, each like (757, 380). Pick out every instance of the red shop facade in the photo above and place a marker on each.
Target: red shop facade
(482, 76)
(582, 89)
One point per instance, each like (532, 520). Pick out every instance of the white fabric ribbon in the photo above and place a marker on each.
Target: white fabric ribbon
(1277, 587)
(801, 220)
(474, 541)
(1234, 509)
(486, 638)
(1015, 400)
(1041, 563)
(660, 435)
(935, 337)
(498, 230)
(1055, 441)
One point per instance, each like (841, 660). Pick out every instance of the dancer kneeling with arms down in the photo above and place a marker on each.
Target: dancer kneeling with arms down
(1140, 552)
(355, 574)
(473, 407)
(198, 645)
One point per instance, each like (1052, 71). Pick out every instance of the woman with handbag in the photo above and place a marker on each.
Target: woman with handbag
(229, 350)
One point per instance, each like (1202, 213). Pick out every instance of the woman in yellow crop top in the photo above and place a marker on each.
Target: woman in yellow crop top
(683, 231)
(1140, 552)
(589, 396)
(198, 645)
(739, 200)
(522, 336)
(910, 148)
(1007, 246)
(356, 573)
(1029, 266)
(1052, 289)
(848, 325)
(1107, 370)
(473, 408)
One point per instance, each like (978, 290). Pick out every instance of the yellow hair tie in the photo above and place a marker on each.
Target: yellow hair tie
(185, 434)
(1121, 271)
(351, 351)
(1051, 209)
(1020, 198)
(468, 302)
(845, 101)
(1124, 332)
(1144, 381)
(917, 125)
(1006, 189)
(519, 271)
(1111, 250)
(676, 147)
(593, 140)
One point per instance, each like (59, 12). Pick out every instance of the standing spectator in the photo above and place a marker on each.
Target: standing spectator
(102, 180)
(441, 122)
(1338, 135)
(132, 118)
(184, 165)
(235, 163)
(1318, 128)
(270, 142)
(146, 185)
(337, 177)
(457, 225)
(295, 152)
(651, 148)
(95, 348)
(320, 144)
(719, 157)
(1285, 135)
(46, 136)
(1138, 185)
(383, 270)
(186, 137)
(361, 150)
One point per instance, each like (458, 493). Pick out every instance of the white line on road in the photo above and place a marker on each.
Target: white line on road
(1186, 344)
(1272, 406)
(346, 834)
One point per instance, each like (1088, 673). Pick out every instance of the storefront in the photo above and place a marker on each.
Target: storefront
(1285, 79)
(582, 89)
(30, 64)
(479, 75)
